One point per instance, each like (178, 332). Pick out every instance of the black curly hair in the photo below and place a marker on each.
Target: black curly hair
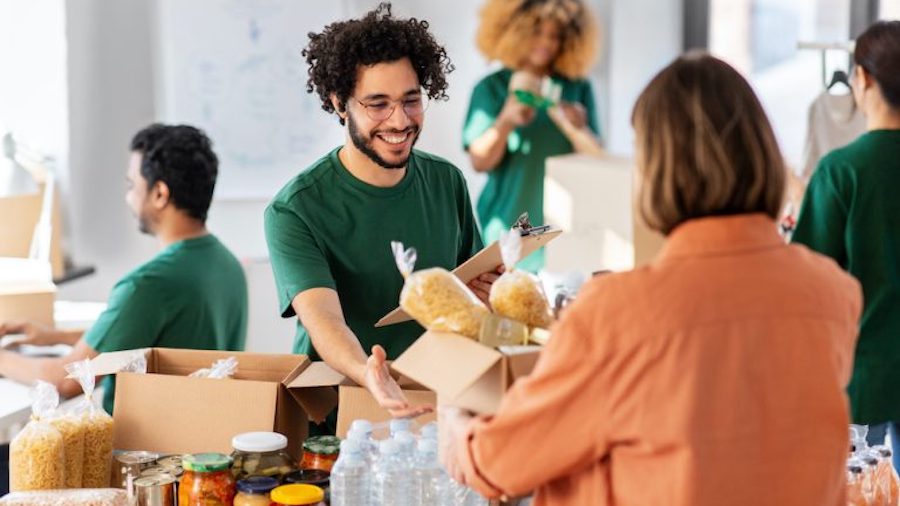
(182, 157)
(335, 54)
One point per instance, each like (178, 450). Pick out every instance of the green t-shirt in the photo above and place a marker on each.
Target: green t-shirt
(193, 294)
(328, 229)
(852, 214)
(517, 184)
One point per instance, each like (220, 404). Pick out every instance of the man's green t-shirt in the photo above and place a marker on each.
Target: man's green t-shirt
(516, 185)
(328, 229)
(193, 294)
(852, 214)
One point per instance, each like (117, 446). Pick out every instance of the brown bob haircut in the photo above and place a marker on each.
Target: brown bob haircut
(704, 146)
(507, 25)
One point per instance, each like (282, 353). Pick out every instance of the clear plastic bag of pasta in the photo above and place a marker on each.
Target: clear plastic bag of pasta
(37, 458)
(82, 497)
(436, 298)
(71, 428)
(519, 295)
(97, 427)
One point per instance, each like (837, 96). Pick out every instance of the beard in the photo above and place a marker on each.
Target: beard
(364, 143)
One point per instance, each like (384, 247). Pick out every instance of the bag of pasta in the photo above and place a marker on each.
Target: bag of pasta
(69, 425)
(97, 427)
(37, 458)
(436, 298)
(519, 295)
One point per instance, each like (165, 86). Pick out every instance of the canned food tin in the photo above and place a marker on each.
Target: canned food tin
(157, 490)
(133, 463)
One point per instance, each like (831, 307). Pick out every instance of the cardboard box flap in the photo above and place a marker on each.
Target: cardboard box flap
(485, 260)
(446, 363)
(113, 362)
(313, 387)
(521, 359)
(317, 374)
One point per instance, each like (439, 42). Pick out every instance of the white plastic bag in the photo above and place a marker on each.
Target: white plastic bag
(222, 368)
(436, 298)
(97, 427)
(37, 459)
(519, 295)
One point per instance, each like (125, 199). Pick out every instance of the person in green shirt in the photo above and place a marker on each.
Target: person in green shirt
(851, 213)
(192, 294)
(329, 230)
(537, 41)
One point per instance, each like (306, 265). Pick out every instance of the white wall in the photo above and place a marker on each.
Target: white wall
(111, 88)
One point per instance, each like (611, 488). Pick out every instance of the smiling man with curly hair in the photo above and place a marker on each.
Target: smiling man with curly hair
(329, 229)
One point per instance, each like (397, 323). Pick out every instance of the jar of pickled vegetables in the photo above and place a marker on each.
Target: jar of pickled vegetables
(255, 491)
(298, 495)
(320, 452)
(260, 454)
(207, 480)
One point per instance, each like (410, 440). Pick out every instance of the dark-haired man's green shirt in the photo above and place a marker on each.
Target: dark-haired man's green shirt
(328, 229)
(193, 294)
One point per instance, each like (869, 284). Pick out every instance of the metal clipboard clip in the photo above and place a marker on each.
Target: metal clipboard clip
(523, 225)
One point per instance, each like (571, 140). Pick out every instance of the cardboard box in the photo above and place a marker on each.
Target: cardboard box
(28, 301)
(463, 372)
(591, 199)
(166, 411)
(355, 402)
(19, 215)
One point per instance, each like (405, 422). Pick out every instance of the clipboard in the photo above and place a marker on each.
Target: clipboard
(533, 238)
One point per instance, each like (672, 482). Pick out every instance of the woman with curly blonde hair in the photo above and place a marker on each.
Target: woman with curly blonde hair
(546, 47)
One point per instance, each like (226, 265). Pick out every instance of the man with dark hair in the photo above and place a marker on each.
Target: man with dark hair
(329, 229)
(191, 295)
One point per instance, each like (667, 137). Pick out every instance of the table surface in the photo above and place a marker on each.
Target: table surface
(15, 401)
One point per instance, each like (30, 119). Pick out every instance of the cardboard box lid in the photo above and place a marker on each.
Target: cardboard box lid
(446, 363)
(485, 260)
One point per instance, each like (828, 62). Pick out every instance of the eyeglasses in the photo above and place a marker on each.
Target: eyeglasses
(382, 109)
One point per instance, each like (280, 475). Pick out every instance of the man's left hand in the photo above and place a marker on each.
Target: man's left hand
(481, 285)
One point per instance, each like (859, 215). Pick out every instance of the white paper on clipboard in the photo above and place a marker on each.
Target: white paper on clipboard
(485, 260)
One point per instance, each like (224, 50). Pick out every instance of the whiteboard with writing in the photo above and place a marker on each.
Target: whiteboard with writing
(234, 68)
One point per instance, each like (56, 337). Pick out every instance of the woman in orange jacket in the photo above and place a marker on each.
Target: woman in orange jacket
(713, 376)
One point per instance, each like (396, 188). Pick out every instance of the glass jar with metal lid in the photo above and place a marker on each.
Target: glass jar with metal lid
(298, 495)
(261, 454)
(320, 452)
(207, 480)
(254, 491)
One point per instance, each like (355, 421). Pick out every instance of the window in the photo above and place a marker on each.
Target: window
(760, 38)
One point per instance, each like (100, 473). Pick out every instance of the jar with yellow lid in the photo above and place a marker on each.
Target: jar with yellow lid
(298, 495)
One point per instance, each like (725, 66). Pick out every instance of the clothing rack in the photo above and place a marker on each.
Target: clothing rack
(823, 48)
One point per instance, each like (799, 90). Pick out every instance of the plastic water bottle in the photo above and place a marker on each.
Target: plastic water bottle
(433, 485)
(407, 443)
(392, 484)
(351, 477)
(399, 425)
(367, 445)
(363, 426)
(429, 431)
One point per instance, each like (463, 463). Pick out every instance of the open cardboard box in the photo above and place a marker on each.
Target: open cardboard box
(485, 260)
(168, 412)
(354, 401)
(463, 372)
